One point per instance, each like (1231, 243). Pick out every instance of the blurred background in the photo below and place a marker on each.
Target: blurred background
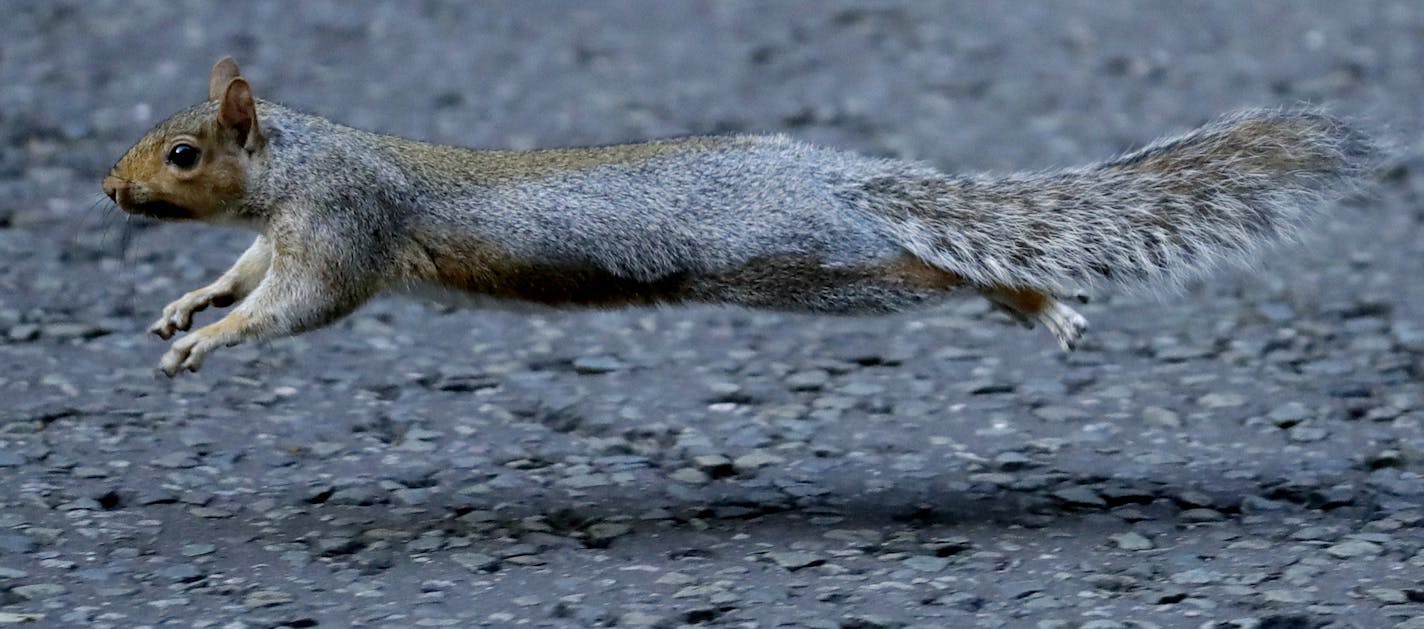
(1259, 434)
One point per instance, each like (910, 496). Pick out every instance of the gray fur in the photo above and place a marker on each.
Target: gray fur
(711, 207)
(762, 222)
(1152, 217)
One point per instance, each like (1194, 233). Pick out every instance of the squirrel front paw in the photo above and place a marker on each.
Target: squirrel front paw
(178, 316)
(188, 352)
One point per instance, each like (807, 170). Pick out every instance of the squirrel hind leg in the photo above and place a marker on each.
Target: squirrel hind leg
(1030, 306)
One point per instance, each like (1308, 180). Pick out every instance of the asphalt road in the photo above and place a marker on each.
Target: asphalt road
(1247, 453)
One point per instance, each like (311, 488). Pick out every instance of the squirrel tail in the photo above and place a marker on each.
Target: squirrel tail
(1153, 217)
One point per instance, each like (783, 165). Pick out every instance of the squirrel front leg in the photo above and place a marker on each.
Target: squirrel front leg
(231, 287)
(295, 295)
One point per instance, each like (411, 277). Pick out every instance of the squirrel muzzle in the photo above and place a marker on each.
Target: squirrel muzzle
(136, 199)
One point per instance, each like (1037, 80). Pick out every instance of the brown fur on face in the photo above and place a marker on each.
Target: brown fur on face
(146, 181)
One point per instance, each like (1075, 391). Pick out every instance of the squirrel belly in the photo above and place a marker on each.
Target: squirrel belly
(784, 283)
(755, 221)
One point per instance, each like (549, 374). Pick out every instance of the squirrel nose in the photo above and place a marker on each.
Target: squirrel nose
(111, 190)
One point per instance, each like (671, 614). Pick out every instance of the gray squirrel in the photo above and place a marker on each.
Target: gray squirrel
(754, 221)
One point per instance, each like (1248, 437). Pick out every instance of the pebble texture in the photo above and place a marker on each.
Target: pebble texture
(1247, 454)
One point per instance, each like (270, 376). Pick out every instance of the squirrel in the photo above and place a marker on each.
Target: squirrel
(757, 221)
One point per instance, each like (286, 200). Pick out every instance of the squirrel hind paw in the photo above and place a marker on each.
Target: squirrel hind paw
(1065, 323)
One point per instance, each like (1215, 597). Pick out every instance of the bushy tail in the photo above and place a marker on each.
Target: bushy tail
(1152, 217)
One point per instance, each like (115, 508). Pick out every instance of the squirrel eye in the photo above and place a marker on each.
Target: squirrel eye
(184, 156)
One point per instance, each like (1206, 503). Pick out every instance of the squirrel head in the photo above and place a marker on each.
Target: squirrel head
(194, 165)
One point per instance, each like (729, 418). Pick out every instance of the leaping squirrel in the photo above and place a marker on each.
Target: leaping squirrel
(755, 221)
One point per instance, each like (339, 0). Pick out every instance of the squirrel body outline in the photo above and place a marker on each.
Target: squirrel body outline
(760, 221)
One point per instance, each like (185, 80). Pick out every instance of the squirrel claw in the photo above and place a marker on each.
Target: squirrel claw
(172, 362)
(163, 329)
(177, 316)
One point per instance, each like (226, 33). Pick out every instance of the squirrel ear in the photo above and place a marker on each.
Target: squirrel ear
(224, 71)
(238, 111)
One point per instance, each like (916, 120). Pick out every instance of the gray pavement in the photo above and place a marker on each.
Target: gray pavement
(1245, 454)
